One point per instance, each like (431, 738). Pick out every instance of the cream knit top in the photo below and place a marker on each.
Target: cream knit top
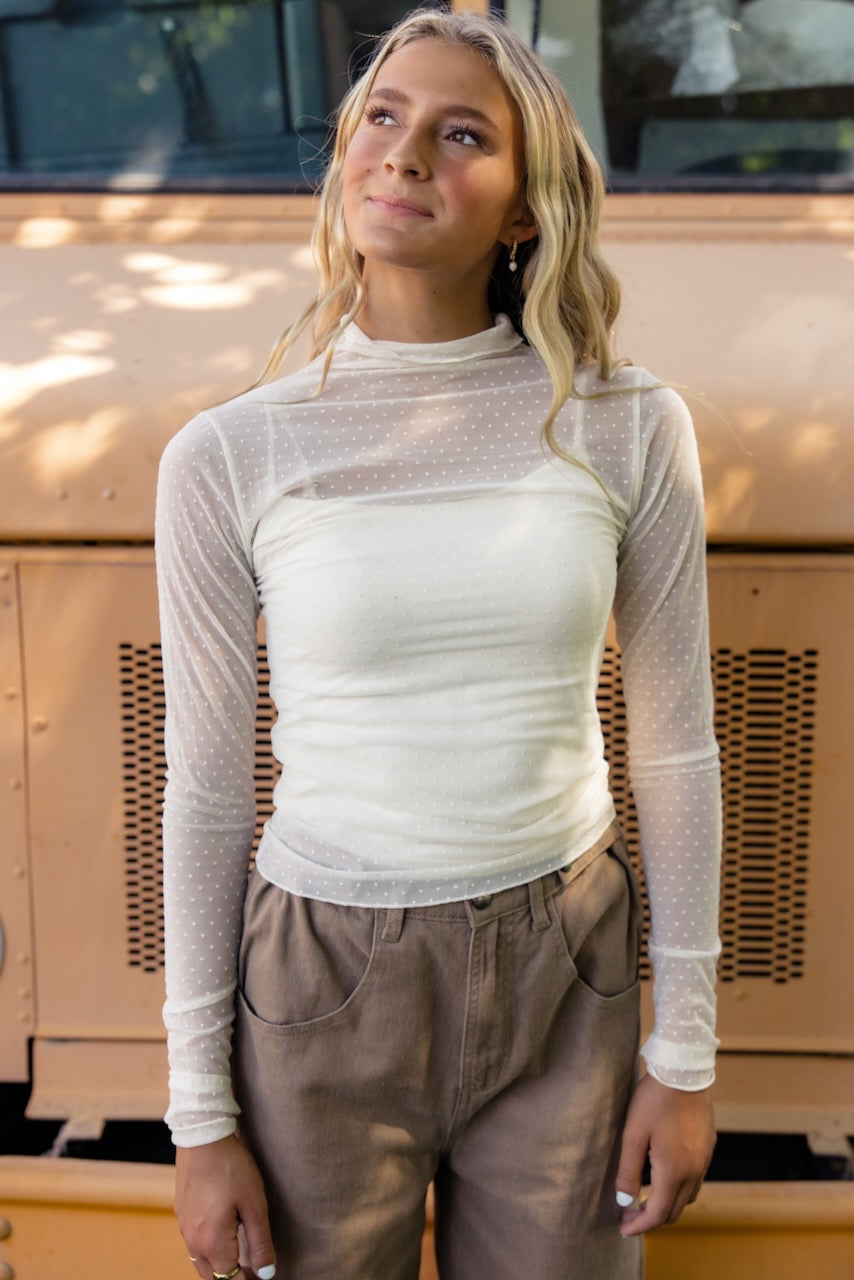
(435, 586)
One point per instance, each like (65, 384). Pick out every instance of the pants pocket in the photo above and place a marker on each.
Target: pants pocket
(600, 917)
(302, 962)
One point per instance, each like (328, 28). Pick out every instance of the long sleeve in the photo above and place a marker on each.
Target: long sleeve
(662, 627)
(403, 625)
(208, 613)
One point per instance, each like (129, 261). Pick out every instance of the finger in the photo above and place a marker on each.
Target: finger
(684, 1197)
(695, 1190)
(208, 1245)
(231, 1273)
(257, 1238)
(656, 1209)
(658, 1204)
(224, 1260)
(630, 1167)
(199, 1259)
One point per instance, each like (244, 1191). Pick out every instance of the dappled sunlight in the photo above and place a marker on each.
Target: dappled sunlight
(69, 449)
(756, 335)
(832, 213)
(108, 350)
(303, 258)
(61, 314)
(83, 341)
(174, 270)
(44, 324)
(169, 219)
(43, 232)
(181, 219)
(234, 360)
(772, 478)
(813, 444)
(226, 295)
(111, 344)
(755, 418)
(116, 299)
(197, 286)
(19, 383)
(728, 494)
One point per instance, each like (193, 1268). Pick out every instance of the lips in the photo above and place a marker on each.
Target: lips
(397, 204)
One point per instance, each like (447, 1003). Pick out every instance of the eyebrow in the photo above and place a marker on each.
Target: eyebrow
(452, 108)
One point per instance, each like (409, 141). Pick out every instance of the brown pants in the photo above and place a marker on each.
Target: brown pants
(489, 1045)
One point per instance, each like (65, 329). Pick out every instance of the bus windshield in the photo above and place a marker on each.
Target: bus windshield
(674, 93)
(138, 93)
(706, 93)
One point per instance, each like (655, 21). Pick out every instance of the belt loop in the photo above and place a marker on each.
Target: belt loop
(393, 924)
(539, 912)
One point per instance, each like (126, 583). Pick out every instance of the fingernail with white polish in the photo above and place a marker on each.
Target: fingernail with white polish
(623, 1200)
(267, 1273)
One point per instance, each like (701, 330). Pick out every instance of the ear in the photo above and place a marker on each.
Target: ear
(522, 228)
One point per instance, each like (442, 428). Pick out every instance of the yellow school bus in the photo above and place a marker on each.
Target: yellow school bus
(157, 163)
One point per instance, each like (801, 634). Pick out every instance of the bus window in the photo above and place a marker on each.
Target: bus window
(707, 93)
(141, 93)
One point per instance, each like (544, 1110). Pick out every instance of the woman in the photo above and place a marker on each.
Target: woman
(436, 961)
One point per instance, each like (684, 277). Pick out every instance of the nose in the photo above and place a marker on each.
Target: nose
(407, 156)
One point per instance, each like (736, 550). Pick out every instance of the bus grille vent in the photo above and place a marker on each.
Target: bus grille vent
(764, 720)
(765, 715)
(143, 771)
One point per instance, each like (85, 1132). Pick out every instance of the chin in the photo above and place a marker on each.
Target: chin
(394, 256)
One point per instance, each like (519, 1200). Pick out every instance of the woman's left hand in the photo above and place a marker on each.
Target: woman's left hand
(676, 1129)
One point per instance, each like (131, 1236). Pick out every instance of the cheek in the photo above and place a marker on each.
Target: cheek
(353, 171)
(360, 157)
(486, 206)
(349, 173)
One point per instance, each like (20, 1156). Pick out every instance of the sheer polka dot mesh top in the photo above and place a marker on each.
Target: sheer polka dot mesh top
(435, 584)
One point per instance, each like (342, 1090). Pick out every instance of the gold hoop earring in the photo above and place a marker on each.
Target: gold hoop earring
(513, 265)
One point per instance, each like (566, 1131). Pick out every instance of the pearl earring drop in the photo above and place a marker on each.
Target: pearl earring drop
(513, 264)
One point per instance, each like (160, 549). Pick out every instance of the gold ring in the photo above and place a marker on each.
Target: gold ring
(227, 1275)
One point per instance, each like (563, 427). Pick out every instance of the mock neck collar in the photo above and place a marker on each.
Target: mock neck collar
(497, 341)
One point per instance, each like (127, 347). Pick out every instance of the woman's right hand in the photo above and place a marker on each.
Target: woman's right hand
(217, 1189)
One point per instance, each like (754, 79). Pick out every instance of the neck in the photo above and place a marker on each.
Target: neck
(415, 306)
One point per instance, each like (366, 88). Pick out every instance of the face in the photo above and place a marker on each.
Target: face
(432, 173)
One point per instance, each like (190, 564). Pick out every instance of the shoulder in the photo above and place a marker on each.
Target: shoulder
(196, 461)
(655, 396)
(231, 433)
(221, 427)
(662, 415)
(197, 436)
(195, 451)
(632, 400)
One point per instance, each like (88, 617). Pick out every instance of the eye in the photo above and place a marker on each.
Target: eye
(379, 115)
(466, 136)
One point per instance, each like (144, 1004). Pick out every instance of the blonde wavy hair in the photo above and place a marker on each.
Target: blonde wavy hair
(564, 298)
